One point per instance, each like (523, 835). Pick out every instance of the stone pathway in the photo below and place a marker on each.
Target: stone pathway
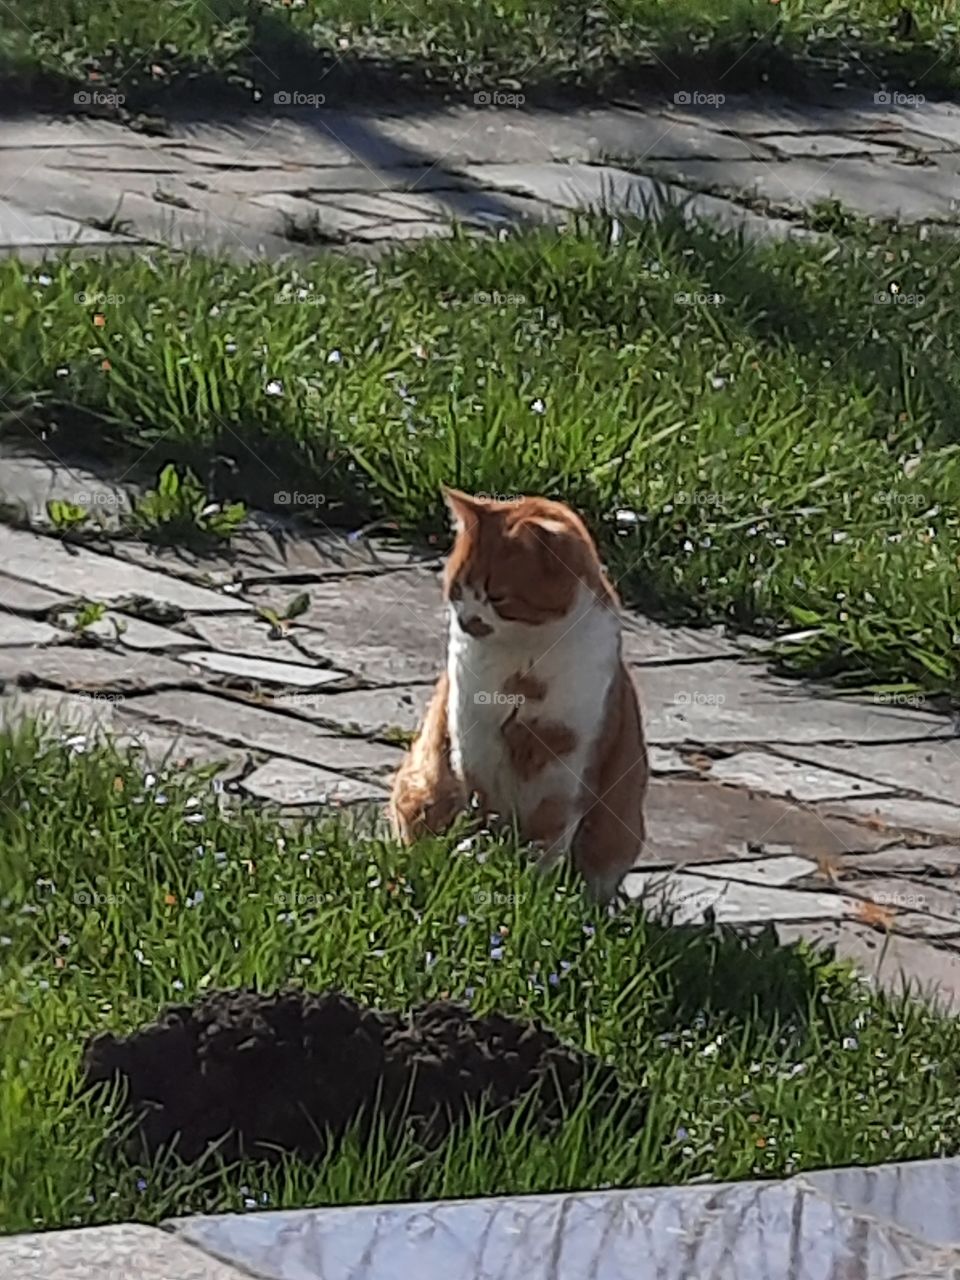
(274, 184)
(891, 1222)
(836, 819)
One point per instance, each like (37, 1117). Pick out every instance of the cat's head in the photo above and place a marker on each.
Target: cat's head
(526, 562)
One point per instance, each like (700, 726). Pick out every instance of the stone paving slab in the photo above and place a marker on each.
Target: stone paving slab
(261, 671)
(77, 668)
(296, 785)
(921, 193)
(904, 814)
(694, 820)
(721, 702)
(124, 1252)
(891, 960)
(85, 574)
(17, 631)
(19, 596)
(793, 779)
(609, 189)
(484, 167)
(932, 769)
(751, 1230)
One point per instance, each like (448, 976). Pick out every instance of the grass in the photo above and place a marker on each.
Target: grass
(765, 437)
(122, 892)
(249, 48)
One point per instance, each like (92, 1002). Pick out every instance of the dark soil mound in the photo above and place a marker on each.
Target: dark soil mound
(291, 1071)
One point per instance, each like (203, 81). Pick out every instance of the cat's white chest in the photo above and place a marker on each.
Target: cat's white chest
(572, 662)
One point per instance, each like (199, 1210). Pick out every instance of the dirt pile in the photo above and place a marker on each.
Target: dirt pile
(292, 1071)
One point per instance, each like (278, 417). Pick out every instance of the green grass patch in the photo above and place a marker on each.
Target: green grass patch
(760, 436)
(252, 49)
(123, 892)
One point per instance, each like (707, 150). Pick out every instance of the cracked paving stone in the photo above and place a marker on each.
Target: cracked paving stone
(909, 901)
(109, 1253)
(718, 702)
(683, 899)
(931, 769)
(894, 961)
(938, 861)
(370, 712)
(136, 633)
(247, 636)
(19, 596)
(901, 814)
(94, 715)
(34, 480)
(778, 872)
(102, 717)
(389, 629)
(243, 724)
(287, 782)
(792, 779)
(91, 670)
(15, 631)
(161, 750)
(81, 573)
(696, 821)
(647, 643)
(259, 670)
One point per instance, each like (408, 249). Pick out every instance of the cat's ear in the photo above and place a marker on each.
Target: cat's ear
(547, 525)
(464, 509)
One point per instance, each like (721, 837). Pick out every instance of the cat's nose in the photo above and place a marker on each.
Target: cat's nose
(475, 626)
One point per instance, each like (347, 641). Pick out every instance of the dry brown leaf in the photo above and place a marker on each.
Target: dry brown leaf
(829, 868)
(875, 915)
(697, 759)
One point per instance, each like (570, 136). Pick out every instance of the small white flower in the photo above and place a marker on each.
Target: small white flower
(44, 280)
(717, 382)
(334, 357)
(274, 388)
(538, 406)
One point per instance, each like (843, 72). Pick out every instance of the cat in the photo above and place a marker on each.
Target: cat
(536, 719)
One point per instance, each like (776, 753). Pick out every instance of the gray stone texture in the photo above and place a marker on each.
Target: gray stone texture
(754, 1231)
(119, 1252)
(359, 178)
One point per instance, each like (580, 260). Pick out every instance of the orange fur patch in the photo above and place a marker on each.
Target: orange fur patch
(529, 555)
(525, 685)
(533, 744)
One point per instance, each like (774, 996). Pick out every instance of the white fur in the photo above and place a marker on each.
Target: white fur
(576, 658)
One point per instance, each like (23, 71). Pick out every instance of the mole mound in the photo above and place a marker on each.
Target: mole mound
(290, 1072)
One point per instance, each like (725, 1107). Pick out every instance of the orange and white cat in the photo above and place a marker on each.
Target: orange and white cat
(536, 715)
